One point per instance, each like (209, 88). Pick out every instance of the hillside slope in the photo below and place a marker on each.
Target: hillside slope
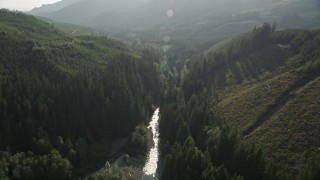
(249, 108)
(278, 108)
(64, 99)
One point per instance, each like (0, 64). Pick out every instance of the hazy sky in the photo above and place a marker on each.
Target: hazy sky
(24, 5)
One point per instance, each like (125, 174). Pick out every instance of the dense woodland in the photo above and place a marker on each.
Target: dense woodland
(62, 99)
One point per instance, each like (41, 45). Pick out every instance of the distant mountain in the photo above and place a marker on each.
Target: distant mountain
(200, 19)
(76, 9)
(49, 8)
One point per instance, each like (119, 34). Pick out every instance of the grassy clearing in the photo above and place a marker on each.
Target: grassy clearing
(293, 131)
(240, 106)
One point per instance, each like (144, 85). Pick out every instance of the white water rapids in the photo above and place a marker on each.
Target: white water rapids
(151, 165)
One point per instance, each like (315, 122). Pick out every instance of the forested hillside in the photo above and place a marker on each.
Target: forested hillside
(63, 99)
(247, 109)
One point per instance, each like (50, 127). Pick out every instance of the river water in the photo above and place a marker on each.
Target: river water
(151, 165)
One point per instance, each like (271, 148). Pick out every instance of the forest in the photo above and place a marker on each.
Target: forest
(63, 99)
(232, 105)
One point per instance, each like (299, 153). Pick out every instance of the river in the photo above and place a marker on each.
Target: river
(151, 165)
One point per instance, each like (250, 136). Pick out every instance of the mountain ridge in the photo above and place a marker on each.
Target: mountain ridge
(188, 17)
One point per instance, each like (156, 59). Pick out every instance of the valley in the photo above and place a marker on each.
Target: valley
(168, 90)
